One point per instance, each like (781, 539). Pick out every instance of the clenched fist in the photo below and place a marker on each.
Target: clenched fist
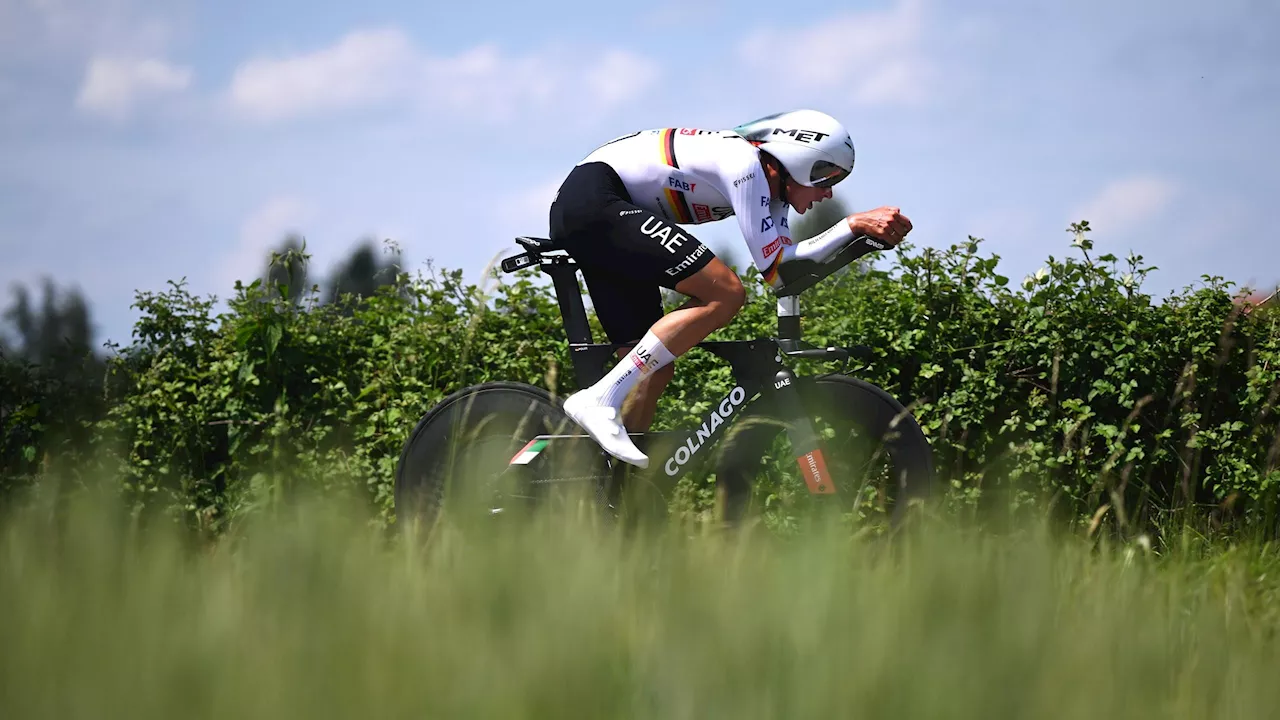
(884, 223)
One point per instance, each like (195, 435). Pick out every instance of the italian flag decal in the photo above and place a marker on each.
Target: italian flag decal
(528, 453)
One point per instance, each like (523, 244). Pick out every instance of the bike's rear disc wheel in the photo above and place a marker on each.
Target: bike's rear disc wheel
(457, 457)
(874, 450)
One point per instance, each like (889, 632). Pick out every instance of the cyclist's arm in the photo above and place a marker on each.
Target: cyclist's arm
(822, 246)
(887, 225)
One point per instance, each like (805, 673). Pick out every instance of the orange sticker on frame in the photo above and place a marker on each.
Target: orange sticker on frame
(814, 468)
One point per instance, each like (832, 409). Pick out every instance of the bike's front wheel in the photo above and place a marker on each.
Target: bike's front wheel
(875, 452)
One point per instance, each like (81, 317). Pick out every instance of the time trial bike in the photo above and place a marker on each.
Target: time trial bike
(500, 447)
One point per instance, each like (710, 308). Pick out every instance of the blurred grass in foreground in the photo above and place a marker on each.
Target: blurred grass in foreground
(310, 614)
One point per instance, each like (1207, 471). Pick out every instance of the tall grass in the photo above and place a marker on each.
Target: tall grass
(310, 613)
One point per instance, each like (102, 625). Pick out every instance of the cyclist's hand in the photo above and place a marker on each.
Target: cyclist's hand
(883, 223)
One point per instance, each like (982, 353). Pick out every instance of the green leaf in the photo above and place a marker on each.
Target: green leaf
(274, 333)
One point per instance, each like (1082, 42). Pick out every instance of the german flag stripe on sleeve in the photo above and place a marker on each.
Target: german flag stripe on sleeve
(679, 206)
(771, 272)
(669, 147)
(675, 198)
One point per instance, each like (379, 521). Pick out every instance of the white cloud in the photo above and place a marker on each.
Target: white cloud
(375, 68)
(263, 231)
(42, 28)
(875, 58)
(114, 86)
(1125, 204)
(482, 80)
(364, 68)
(619, 77)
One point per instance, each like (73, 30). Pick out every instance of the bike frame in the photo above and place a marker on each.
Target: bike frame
(757, 365)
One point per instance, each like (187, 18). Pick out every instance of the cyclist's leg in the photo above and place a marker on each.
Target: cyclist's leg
(644, 371)
(594, 219)
(641, 406)
(628, 309)
(717, 295)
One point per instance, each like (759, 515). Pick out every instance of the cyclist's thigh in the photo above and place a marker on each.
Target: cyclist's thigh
(627, 263)
(642, 245)
(714, 282)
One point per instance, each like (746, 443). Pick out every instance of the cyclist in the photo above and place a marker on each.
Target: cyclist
(618, 215)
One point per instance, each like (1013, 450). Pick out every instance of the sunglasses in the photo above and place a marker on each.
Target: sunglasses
(825, 174)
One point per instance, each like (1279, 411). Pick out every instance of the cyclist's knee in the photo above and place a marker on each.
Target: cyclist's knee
(735, 295)
(729, 298)
(719, 288)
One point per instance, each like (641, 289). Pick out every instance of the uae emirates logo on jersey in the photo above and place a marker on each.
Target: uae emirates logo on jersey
(777, 244)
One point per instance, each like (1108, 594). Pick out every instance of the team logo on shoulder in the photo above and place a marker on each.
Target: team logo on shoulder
(679, 184)
(701, 213)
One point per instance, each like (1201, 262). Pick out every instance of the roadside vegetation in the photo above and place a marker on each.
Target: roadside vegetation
(201, 524)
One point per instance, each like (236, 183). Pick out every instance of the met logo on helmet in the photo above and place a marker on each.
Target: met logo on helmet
(804, 136)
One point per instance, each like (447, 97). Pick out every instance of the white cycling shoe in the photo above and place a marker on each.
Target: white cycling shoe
(601, 423)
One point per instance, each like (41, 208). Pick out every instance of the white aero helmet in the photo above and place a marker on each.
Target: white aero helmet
(813, 146)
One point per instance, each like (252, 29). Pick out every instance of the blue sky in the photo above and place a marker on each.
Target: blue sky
(143, 141)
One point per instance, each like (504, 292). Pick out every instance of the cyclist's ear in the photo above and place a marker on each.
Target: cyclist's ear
(776, 175)
(771, 165)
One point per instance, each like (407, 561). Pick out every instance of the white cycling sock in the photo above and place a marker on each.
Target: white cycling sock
(647, 356)
(822, 246)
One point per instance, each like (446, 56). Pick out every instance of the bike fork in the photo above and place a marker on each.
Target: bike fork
(804, 441)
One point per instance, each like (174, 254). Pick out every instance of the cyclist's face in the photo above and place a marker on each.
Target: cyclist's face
(802, 198)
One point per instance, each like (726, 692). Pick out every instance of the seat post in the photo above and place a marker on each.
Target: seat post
(564, 275)
(789, 318)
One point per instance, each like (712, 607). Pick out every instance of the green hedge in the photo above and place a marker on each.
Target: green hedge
(1071, 385)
